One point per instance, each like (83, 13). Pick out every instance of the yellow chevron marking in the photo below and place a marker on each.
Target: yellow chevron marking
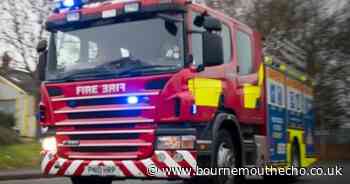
(206, 91)
(252, 93)
(298, 134)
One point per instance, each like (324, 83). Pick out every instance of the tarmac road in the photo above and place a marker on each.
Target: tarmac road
(344, 179)
(305, 180)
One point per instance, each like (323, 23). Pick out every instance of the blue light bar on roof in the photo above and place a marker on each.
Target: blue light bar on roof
(69, 4)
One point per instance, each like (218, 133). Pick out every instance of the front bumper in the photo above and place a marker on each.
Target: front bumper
(161, 160)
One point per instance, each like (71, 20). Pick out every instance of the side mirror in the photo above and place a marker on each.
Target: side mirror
(41, 67)
(212, 49)
(42, 46)
(207, 22)
(211, 24)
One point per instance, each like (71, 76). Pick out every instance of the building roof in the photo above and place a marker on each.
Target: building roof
(19, 79)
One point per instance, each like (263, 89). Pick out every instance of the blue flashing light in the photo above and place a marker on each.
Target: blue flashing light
(68, 3)
(194, 109)
(133, 100)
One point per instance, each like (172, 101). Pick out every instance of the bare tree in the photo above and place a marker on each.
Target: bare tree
(320, 28)
(23, 26)
(233, 8)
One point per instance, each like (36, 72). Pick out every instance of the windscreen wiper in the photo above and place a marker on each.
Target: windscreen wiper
(108, 69)
(119, 63)
(147, 69)
(85, 74)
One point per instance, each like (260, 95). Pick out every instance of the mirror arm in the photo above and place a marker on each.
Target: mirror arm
(205, 13)
(188, 60)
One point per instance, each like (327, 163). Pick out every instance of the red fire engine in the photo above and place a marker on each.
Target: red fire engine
(133, 84)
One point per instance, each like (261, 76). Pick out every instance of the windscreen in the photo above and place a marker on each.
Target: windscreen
(154, 42)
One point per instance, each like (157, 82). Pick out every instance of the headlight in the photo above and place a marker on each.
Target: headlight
(176, 142)
(49, 144)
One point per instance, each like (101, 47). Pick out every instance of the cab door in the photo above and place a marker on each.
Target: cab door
(250, 75)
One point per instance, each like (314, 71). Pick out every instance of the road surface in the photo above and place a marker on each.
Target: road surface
(344, 179)
(306, 180)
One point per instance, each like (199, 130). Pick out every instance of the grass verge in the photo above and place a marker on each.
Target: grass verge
(20, 156)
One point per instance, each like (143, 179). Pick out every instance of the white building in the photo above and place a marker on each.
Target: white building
(16, 101)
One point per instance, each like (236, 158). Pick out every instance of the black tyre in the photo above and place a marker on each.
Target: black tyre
(295, 155)
(198, 180)
(295, 160)
(225, 155)
(91, 180)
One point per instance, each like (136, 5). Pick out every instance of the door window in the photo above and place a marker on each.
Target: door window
(244, 53)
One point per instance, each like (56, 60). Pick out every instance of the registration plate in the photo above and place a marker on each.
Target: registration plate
(101, 170)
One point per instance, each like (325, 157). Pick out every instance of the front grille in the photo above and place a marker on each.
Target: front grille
(105, 149)
(106, 114)
(105, 127)
(103, 101)
(104, 137)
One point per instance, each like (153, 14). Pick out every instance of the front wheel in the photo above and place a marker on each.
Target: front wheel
(225, 155)
(295, 162)
(91, 180)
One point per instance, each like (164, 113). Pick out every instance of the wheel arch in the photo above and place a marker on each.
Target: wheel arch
(228, 121)
(295, 141)
(297, 144)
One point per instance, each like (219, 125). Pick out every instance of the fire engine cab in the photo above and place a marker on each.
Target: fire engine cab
(130, 85)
